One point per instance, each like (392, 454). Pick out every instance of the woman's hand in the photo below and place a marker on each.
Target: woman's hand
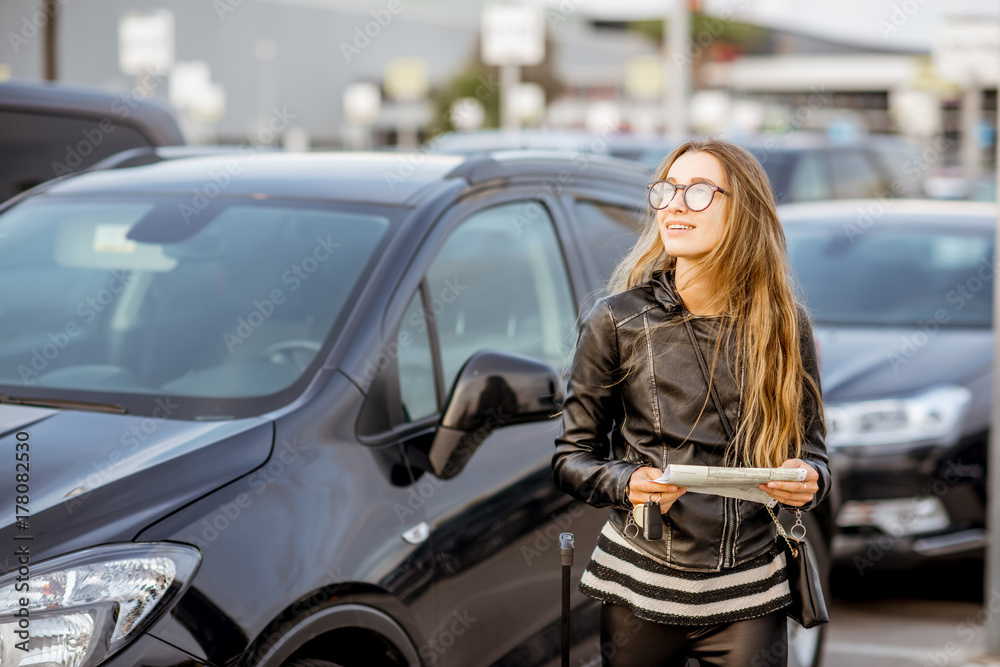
(796, 494)
(641, 488)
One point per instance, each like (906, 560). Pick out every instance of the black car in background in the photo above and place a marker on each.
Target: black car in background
(802, 166)
(296, 409)
(902, 296)
(52, 129)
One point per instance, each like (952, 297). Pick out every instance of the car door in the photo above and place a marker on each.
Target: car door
(497, 281)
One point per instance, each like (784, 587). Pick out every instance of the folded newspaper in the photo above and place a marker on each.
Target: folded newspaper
(730, 482)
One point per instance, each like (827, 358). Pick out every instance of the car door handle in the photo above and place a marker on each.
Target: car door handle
(418, 533)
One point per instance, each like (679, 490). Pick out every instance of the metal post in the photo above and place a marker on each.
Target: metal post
(50, 10)
(509, 77)
(992, 564)
(677, 67)
(970, 135)
(566, 557)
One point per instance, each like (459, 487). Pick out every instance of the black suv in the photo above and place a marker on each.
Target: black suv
(296, 409)
(52, 129)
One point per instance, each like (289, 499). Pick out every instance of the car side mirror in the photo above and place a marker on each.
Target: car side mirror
(493, 389)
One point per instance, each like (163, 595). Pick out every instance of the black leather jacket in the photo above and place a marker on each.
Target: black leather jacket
(610, 431)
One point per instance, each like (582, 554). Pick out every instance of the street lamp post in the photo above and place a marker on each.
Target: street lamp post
(677, 68)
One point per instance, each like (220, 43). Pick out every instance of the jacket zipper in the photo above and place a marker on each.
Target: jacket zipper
(731, 513)
(729, 533)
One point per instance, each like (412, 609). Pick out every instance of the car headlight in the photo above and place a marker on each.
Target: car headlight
(77, 610)
(932, 415)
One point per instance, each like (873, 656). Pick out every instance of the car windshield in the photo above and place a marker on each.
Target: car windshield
(890, 275)
(225, 301)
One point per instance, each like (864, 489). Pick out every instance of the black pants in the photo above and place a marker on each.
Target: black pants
(629, 641)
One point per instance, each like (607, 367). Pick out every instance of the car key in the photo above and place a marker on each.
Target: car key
(652, 524)
(647, 516)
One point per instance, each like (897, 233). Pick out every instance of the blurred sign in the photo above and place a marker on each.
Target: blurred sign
(527, 102)
(967, 50)
(512, 35)
(362, 103)
(467, 113)
(146, 41)
(192, 91)
(644, 77)
(406, 79)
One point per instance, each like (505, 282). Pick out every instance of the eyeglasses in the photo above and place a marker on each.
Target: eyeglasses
(697, 196)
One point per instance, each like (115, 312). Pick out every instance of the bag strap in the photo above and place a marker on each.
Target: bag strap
(729, 431)
(711, 387)
(781, 531)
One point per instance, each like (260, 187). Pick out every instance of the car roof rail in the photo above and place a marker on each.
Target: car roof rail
(478, 168)
(137, 157)
(133, 157)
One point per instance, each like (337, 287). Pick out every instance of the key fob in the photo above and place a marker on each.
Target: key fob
(652, 523)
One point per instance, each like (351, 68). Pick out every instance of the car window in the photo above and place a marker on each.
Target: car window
(38, 147)
(891, 275)
(121, 299)
(855, 177)
(416, 364)
(810, 180)
(500, 283)
(606, 233)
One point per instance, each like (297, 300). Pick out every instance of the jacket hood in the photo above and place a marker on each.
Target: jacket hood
(662, 283)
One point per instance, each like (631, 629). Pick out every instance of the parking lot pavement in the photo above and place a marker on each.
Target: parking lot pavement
(903, 633)
(931, 616)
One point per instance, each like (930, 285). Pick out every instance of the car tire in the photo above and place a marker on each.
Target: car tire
(805, 647)
(310, 662)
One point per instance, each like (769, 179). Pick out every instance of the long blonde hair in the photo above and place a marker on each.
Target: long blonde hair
(750, 281)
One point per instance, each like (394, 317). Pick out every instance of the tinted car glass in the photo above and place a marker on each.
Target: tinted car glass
(893, 275)
(606, 233)
(28, 140)
(416, 364)
(500, 283)
(779, 166)
(811, 180)
(123, 297)
(854, 176)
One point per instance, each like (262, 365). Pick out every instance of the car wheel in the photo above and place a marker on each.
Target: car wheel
(805, 647)
(310, 662)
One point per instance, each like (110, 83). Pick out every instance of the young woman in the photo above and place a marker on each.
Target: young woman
(708, 270)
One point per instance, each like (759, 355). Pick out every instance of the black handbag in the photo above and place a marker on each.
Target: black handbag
(808, 607)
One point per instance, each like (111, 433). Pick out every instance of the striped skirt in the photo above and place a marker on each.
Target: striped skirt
(621, 573)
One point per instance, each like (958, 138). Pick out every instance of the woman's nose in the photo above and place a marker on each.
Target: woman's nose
(676, 201)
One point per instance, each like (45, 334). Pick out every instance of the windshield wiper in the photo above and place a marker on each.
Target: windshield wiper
(60, 403)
